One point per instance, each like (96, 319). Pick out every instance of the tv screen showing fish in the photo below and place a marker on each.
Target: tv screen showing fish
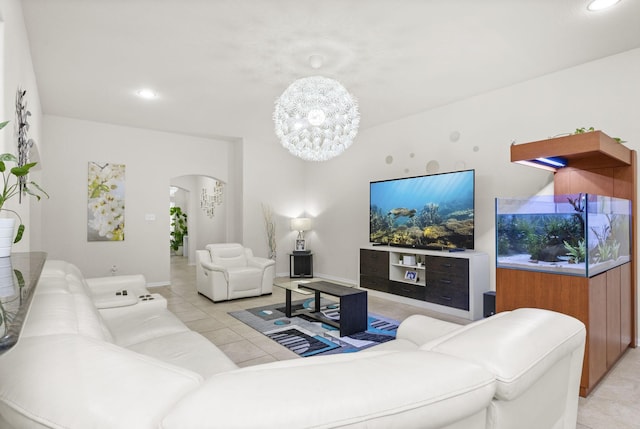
(428, 212)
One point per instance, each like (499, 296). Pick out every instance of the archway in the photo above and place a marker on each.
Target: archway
(204, 200)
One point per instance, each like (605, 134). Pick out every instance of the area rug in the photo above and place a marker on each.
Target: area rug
(308, 337)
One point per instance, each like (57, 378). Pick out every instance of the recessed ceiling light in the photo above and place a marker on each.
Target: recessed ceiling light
(146, 93)
(596, 5)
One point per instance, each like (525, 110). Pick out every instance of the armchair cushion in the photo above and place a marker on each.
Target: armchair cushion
(230, 262)
(228, 255)
(245, 278)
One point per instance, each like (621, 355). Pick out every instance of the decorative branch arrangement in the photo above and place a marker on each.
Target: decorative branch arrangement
(24, 143)
(270, 227)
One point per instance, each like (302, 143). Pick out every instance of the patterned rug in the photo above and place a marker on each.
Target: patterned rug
(308, 337)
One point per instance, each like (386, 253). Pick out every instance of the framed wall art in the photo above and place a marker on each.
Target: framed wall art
(105, 193)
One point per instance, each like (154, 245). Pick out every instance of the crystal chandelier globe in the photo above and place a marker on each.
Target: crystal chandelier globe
(316, 118)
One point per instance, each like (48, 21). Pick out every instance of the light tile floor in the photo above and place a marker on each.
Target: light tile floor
(615, 403)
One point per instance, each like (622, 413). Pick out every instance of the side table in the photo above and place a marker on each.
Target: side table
(300, 265)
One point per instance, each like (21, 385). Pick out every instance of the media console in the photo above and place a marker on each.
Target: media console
(448, 282)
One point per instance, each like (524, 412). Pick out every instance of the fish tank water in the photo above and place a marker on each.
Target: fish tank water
(573, 234)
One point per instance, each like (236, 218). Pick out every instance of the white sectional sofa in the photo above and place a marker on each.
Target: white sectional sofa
(135, 365)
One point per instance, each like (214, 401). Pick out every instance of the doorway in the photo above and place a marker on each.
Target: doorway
(204, 201)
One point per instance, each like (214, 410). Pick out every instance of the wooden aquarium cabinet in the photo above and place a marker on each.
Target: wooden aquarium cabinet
(605, 303)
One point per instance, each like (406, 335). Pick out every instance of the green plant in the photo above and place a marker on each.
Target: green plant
(590, 129)
(607, 250)
(535, 245)
(178, 227)
(11, 184)
(583, 130)
(577, 253)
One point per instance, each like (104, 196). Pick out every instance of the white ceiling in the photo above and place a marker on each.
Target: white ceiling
(219, 65)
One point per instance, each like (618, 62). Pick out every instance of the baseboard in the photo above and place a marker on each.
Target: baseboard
(158, 284)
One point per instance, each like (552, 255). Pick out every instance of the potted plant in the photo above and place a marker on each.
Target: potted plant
(13, 185)
(178, 229)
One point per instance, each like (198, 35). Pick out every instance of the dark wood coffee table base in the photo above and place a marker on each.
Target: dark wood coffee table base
(353, 306)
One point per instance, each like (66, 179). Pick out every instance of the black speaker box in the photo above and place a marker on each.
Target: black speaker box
(489, 303)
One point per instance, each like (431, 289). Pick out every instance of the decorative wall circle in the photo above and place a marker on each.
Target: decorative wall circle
(388, 159)
(433, 167)
(460, 165)
(476, 148)
(454, 136)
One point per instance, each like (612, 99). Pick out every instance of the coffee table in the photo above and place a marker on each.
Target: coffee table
(353, 304)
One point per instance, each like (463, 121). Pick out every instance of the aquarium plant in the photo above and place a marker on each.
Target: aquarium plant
(577, 253)
(535, 245)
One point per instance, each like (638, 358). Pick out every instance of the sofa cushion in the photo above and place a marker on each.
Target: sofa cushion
(75, 382)
(52, 285)
(141, 324)
(188, 350)
(230, 262)
(383, 389)
(431, 344)
(60, 312)
(57, 268)
(421, 329)
(397, 344)
(102, 290)
(227, 255)
(245, 278)
(417, 330)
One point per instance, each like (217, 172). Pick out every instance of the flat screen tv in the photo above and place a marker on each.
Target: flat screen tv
(427, 212)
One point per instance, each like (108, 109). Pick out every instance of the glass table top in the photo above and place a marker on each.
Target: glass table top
(294, 284)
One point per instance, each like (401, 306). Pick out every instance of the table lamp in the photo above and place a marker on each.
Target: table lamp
(301, 224)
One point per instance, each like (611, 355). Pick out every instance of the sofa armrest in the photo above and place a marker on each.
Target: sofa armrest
(208, 266)
(211, 268)
(421, 329)
(100, 285)
(111, 300)
(518, 347)
(259, 262)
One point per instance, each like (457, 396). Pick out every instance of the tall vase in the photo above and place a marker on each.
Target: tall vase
(7, 226)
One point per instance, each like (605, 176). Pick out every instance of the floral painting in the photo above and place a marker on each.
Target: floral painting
(105, 219)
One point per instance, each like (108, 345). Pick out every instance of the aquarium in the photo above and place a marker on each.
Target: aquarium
(428, 212)
(576, 234)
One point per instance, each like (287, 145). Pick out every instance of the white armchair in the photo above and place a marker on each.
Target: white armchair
(228, 271)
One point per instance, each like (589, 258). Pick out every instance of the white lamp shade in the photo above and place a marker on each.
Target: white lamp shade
(301, 224)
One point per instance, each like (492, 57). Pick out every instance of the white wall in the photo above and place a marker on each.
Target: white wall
(151, 159)
(278, 179)
(603, 94)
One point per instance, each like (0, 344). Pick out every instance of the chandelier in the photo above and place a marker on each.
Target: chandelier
(316, 118)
